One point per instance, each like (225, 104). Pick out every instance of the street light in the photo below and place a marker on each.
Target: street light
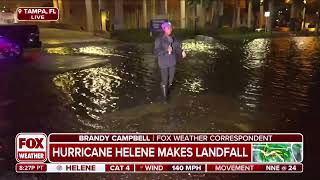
(267, 15)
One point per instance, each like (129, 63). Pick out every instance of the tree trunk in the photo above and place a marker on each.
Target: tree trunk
(250, 14)
(214, 14)
(234, 18)
(200, 11)
(195, 19)
(293, 10)
(182, 14)
(221, 9)
(261, 20)
(270, 19)
(213, 11)
(238, 14)
(145, 14)
(303, 17)
(293, 16)
(318, 22)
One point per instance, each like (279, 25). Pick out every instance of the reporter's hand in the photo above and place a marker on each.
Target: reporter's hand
(170, 50)
(184, 55)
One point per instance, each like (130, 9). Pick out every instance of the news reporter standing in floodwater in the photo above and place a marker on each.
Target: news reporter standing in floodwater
(167, 49)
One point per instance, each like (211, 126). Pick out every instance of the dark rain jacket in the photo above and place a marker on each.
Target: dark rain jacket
(165, 59)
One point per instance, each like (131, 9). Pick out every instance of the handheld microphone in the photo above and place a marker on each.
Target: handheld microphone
(170, 39)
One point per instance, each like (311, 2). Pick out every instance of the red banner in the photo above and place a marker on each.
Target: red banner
(38, 14)
(174, 137)
(136, 152)
(160, 152)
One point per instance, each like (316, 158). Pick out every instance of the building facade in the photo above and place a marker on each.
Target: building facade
(106, 15)
(103, 15)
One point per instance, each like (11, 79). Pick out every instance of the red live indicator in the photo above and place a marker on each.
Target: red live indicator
(38, 14)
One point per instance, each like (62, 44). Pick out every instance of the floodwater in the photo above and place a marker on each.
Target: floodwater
(263, 85)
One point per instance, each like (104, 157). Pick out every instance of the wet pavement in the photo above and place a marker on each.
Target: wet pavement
(264, 85)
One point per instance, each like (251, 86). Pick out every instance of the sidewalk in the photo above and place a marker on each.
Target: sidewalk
(52, 36)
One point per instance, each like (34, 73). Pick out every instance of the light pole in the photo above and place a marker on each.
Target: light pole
(267, 15)
(303, 14)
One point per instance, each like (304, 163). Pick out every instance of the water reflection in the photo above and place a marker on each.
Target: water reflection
(278, 91)
(95, 50)
(198, 47)
(95, 85)
(95, 91)
(92, 50)
(275, 78)
(255, 53)
(279, 77)
(193, 85)
(124, 94)
(59, 50)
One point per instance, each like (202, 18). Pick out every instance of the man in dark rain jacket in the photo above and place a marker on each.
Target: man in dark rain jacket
(167, 49)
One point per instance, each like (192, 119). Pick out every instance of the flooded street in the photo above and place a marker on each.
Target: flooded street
(263, 85)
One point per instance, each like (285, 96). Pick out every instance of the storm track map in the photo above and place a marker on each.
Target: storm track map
(290, 152)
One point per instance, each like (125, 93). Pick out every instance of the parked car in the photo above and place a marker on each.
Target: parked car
(14, 37)
(9, 49)
(27, 36)
(311, 28)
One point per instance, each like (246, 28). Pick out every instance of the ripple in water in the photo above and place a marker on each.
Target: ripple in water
(193, 47)
(275, 79)
(86, 50)
(279, 76)
(91, 89)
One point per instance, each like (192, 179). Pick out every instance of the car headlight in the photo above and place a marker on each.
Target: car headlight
(33, 37)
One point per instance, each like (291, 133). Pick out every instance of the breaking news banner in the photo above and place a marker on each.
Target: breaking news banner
(37, 14)
(159, 152)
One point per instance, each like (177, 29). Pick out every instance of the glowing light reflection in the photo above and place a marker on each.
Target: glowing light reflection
(87, 50)
(257, 50)
(192, 46)
(193, 85)
(95, 85)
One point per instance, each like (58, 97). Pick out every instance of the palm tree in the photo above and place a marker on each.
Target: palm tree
(217, 7)
(249, 13)
(194, 3)
(235, 14)
(272, 13)
(261, 19)
(202, 6)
